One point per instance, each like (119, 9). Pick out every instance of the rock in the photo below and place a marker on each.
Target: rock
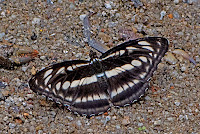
(82, 16)
(177, 103)
(11, 125)
(2, 35)
(36, 21)
(157, 123)
(170, 58)
(176, 1)
(126, 121)
(108, 5)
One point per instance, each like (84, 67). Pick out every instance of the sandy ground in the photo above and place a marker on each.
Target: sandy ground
(172, 103)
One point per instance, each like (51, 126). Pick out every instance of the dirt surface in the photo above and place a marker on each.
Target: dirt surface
(171, 105)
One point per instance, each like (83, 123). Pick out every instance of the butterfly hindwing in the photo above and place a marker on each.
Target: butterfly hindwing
(119, 77)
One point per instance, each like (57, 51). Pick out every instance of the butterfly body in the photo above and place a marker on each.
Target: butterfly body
(119, 77)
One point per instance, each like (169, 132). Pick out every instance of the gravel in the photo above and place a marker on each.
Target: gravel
(172, 104)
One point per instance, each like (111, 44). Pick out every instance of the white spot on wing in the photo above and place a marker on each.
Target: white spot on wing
(49, 85)
(90, 98)
(66, 85)
(113, 93)
(102, 96)
(150, 60)
(61, 70)
(144, 43)
(130, 84)
(127, 67)
(100, 75)
(125, 86)
(89, 80)
(144, 59)
(78, 100)
(111, 55)
(36, 82)
(142, 75)
(81, 81)
(148, 47)
(83, 64)
(61, 95)
(159, 43)
(58, 85)
(119, 69)
(136, 81)
(69, 68)
(47, 89)
(136, 63)
(96, 97)
(47, 73)
(147, 68)
(75, 83)
(74, 66)
(122, 52)
(117, 53)
(47, 79)
(84, 99)
(119, 90)
(68, 98)
(54, 91)
(111, 73)
(150, 54)
(131, 49)
(155, 55)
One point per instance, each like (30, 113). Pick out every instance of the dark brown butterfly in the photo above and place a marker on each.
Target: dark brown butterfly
(90, 87)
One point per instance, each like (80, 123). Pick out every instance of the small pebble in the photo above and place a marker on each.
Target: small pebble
(30, 95)
(108, 5)
(79, 123)
(118, 126)
(162, 14)
(170, 119)
(176, 1)
(177, 103)
(140, 124)
(43, 57)
(105, 37)
(24, 69)
(198, 35)
(11, 125)
(82, 16)
(49, 2)
(3, 84)
(147, 98)
(1, 96)
(183, 68)
(3, 14)
(126, 120)
(157, 123)
(89, 130)
(71, 6)
(36, 21)
(137, 3)
(34, 36)
(1, 36)
(53, 113)
(170, 58)
(176, 15)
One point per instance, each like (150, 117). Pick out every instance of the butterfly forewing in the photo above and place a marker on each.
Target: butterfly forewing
(119, 77)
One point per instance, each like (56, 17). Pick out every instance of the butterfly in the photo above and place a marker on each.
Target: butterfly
(119, 77)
